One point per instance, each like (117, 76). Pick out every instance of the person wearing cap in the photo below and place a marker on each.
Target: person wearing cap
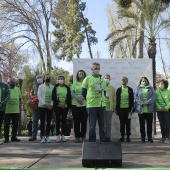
(12, 112)
(45, 106)
(79, 108)
(4, 97)
(93, 90)
(110, 100)
(34, 106)
(61, 96)
(124, 105)
(144, 96)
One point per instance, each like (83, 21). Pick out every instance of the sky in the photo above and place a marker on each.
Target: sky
(96, 13)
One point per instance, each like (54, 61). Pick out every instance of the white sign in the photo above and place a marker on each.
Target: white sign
(133, 69)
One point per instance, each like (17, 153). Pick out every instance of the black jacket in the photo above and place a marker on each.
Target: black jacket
(55, 98)
(131, 98)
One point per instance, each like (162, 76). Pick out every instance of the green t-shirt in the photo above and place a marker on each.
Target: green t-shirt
(47, 97)
(13, 103)
(107, 101)
(144, 97)
(77, 88)
(62, 94)
(124, 98)
(159, 101)
(93, 98)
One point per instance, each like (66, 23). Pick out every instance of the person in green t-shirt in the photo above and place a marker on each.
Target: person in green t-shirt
(4, 97)
(124, 105)
(79, 110)
(45, 106)
(93, 90)
(110, 101)
(12, 112)
(144, 96)
(61, 97)
(163, 106)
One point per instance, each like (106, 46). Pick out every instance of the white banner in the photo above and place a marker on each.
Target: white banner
(133, 69)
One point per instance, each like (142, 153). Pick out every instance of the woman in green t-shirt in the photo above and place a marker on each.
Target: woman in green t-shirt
(124, 105)
(163, 106)
(61, 97)
(144, 96)
(45, 107)
(79, 107)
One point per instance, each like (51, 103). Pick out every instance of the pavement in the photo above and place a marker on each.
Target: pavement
(34, 155)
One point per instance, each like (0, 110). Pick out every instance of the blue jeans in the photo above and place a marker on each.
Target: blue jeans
(96, 113)
(35, 119)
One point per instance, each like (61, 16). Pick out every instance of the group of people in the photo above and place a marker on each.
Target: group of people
(89, 97)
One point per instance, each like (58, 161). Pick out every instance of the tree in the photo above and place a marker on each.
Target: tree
(124, 48)
(28, 22)
(10, 60)
(71, 29)
(151, 11)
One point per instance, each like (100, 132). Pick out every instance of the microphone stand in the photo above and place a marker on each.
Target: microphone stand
(100, 91)
(101, 99)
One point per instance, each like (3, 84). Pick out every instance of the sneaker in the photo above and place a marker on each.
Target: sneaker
(143, 140)
(58, 140)
(63, 139)
(108, 140)
(77, 140)
(128, 139)
(15, 139)
(161, 140)
(83, 139)
(150, 140)
(48, 140)
(166, 140)
(43, 140)
(32, 139)
(6, 140)
(122, 139)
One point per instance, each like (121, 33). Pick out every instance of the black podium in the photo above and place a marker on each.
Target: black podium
(101, 154)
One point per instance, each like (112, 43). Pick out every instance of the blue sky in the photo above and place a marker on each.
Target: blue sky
(96, 13)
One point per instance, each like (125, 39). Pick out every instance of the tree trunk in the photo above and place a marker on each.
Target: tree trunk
(152, 54)
(88, 43)
(140, 37)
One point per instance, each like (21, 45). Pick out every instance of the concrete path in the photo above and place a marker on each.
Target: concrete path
(68, 155)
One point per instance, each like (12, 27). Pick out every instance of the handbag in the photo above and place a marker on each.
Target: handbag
(163, 100)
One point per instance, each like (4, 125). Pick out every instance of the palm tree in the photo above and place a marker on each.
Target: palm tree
(151, 11)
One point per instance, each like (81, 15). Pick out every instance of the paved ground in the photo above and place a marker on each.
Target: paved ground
(69, 154)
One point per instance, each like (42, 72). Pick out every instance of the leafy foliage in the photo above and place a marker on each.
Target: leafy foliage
(71, 29)
(152, 12)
